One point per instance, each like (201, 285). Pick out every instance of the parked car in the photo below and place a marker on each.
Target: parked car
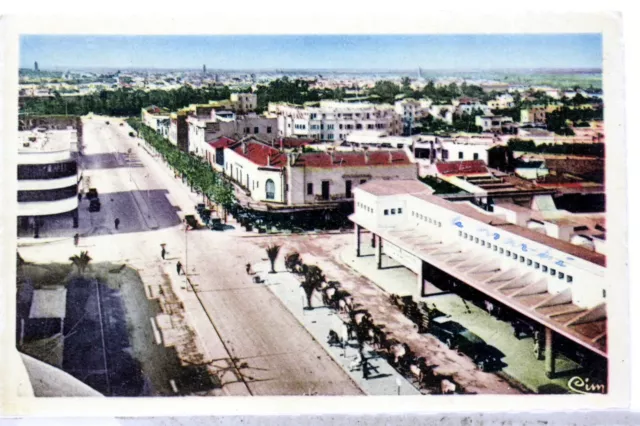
(94, 205)
(456, 336)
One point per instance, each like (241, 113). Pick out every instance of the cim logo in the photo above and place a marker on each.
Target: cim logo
(583, 386)
(457, 222)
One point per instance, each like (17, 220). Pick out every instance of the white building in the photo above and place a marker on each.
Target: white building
(302, 179)
(443, 112)
(333, 121)
(411, 110)
(47, 176)
(454, 148)
(152, 115)
(203, 130)
(526, 271)
(492, 123)
(379, 139)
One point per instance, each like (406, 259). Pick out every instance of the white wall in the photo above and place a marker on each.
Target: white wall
(239, 168)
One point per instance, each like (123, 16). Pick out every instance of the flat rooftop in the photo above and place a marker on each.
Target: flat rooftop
(49, 303)
(45, 140)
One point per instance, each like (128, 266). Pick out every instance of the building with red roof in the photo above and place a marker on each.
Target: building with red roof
(309, 179)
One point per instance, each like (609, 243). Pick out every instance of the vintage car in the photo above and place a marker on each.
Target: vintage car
(456, 336)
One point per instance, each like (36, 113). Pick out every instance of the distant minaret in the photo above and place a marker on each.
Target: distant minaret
(419, 73)
(35, 66)
(204, 69)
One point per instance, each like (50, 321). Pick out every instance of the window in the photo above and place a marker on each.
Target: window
(459, 233)
(363, 181)
(399, 211)
(460, 155)
(255, 130)
(544, 268)
(482, 243)
(476, 156)
(501, 250)
(477, 240)
(430, 220)
(561, 275)
(529, 262)
(269, 129)
(393, 211)
(508, 253)
(270, 189)
(386, 212)
(515, 256)
(340, 126)
(465, 235)
(604, 293)
(552, 272)
(569, 279)
(246, 130)
(536, 265)
(309, 189)
(495, 248)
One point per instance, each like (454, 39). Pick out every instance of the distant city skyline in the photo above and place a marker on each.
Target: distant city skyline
(270, 52)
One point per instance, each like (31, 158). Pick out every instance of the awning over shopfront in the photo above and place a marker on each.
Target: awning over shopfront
(524, 292)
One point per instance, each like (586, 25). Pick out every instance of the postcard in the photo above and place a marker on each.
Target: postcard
(421, 220)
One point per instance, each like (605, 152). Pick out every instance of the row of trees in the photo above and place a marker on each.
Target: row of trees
(560, 120)
(195, 170)
(293, 91)
(122, 102)
(589, 149)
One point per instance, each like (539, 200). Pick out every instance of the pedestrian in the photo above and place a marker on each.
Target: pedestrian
(179, 267)
(117, 222)
(76, 239)
(248, 268)
(365, 368)
(79, 196)
(163, 253)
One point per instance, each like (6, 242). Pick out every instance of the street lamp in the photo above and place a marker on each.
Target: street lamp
(345, 339)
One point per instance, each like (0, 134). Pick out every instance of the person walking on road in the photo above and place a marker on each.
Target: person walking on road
(79, 196)
(117, 222)
(179, 267)
(76, 239)
(163, 252)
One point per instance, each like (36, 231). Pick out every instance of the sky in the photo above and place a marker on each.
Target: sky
(396, 52)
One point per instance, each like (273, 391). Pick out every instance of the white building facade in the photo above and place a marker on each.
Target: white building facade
(333, 121)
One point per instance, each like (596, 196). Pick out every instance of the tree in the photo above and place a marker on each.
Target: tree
(385, 91)
(272, 254)
(81, 261)
(313, 278)
(224, 195)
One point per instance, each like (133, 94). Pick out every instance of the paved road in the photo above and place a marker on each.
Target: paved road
(281, 357)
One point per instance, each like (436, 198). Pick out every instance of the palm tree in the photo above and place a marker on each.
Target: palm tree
(313, 278)
(272, 253)
(81, 261)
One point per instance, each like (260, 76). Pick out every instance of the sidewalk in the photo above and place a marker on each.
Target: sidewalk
(522, 366)
(319, 321)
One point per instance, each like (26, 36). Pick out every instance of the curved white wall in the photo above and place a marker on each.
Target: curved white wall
(48, 157)
(43, 208)
(35, 184)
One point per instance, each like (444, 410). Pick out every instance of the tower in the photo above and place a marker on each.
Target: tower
(204, 69)
(35, 66)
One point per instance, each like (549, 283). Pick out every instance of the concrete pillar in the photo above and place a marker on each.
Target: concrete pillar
(75, 218)
(358, 231)
(373, 240)
(421, 279)
(379, 253)
(549, 354)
